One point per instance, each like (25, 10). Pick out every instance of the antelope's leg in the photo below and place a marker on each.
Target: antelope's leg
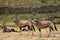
(21, 30)
(53, 31)
(32, 31)
(40, 32)
(29, 27)
(33, 28)
(49, 31)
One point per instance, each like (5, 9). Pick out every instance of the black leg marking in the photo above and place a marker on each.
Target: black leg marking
(29, 27)
(40, 30)
(33, 28)
(20, 28)
(55, 28)
(52, 28)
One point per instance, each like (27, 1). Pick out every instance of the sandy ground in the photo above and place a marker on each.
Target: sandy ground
(27, 35)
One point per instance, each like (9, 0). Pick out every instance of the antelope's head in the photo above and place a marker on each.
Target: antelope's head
(35, 20)
(15, 20)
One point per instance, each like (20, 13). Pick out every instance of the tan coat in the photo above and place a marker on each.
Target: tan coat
(43, 24)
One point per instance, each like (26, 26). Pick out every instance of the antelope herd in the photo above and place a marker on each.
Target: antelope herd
(40, 24)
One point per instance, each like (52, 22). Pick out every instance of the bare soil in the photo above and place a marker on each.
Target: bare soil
(27, 35)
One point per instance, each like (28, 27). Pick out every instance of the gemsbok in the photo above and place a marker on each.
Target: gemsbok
(44, 24)
(24, 23)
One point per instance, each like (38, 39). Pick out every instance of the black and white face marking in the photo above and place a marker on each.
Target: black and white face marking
(14, 19)
(35, 20)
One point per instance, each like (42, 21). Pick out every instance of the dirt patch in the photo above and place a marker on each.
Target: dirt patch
(28, 36)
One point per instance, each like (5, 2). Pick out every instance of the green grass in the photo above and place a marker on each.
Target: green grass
(13, 3)
(42, 16)
(58, 26)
